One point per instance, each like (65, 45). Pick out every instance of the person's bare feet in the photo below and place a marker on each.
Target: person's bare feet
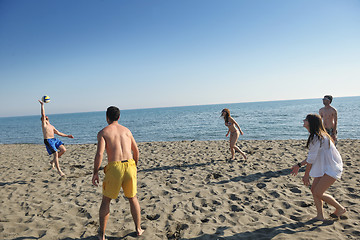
(52, 164)
(338, 213)
(101, 236)
(139, 232)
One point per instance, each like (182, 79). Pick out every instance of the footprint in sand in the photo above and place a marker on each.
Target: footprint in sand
(261, 185)
(153, 217)
(295, 190)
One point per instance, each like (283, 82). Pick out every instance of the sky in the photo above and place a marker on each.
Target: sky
(90, 54)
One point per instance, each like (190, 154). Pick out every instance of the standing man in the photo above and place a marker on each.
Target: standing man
(52, 144)
(123, 155)
(329, 117)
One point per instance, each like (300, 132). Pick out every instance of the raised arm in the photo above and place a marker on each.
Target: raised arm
(42, 110)
(98, 158)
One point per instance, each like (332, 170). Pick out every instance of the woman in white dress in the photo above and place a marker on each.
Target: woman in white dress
(323, 163)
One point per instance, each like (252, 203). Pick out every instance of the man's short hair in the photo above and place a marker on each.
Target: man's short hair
(113, 113)
(329, 97)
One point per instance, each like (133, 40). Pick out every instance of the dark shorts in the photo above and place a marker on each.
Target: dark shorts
(52, 145)
(330, 131)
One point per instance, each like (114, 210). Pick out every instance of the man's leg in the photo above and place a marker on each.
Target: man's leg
(62, 150)
(56, 162)
(135, 212)
(104, 213)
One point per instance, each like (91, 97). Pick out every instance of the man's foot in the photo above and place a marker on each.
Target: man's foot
(63, 177)
(139, 232)
(101, 236)
(52, 164)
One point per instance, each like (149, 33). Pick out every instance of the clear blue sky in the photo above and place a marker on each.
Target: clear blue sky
(90, 54)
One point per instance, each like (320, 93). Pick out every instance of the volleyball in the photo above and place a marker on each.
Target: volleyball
(45, 99)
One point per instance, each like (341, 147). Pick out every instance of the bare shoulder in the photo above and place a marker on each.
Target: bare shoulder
(102, 131)
(124, 130)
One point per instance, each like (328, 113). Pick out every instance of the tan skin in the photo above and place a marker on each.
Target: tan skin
(120, 145)
(234, 131)
(329, 116)
(318, 188)
(49, 132)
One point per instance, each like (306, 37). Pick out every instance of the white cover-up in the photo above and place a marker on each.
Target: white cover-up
(325, 158)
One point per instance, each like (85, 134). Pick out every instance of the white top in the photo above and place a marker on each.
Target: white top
(324, 158)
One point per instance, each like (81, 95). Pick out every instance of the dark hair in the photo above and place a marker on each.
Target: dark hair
(329, 97)
(113, 113)
(227, 115)
(316, 128)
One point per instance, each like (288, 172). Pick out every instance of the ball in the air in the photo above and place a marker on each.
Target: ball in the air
(45, 99)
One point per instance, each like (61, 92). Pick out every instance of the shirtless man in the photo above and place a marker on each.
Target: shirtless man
(329, 117)
(123, 155)
(52, 144)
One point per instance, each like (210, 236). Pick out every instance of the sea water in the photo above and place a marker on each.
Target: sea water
(275, 120)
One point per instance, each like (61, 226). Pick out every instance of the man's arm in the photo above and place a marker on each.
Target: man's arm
(335, 121)
(42, 111)
(135, 150)
(62, 134)
(98, 158)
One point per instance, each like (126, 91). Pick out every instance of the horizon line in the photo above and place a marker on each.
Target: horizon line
(178, 106)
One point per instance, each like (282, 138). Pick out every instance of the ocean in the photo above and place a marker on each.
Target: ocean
(274, 120)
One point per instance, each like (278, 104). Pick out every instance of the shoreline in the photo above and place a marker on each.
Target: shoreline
(186, 190)
(219, 140)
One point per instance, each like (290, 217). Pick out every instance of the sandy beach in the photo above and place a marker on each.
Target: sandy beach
(186, 190)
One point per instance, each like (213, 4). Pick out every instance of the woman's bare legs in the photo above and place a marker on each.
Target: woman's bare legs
(318, 188)
(233, 139)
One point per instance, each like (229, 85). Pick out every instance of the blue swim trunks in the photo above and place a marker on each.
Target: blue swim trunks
(52, 145)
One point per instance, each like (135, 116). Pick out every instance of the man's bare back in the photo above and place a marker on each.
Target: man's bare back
(119, 142)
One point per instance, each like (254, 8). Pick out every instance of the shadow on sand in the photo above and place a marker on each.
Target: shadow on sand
(131, 235)
(256, 176)
(180, 166)
(268, 233)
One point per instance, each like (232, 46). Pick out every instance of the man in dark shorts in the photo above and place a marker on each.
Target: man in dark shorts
(52, 144)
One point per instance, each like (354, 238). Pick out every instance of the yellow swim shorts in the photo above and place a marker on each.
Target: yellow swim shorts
(120, 174)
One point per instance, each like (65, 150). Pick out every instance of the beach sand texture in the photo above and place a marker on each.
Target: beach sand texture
(186, 190)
